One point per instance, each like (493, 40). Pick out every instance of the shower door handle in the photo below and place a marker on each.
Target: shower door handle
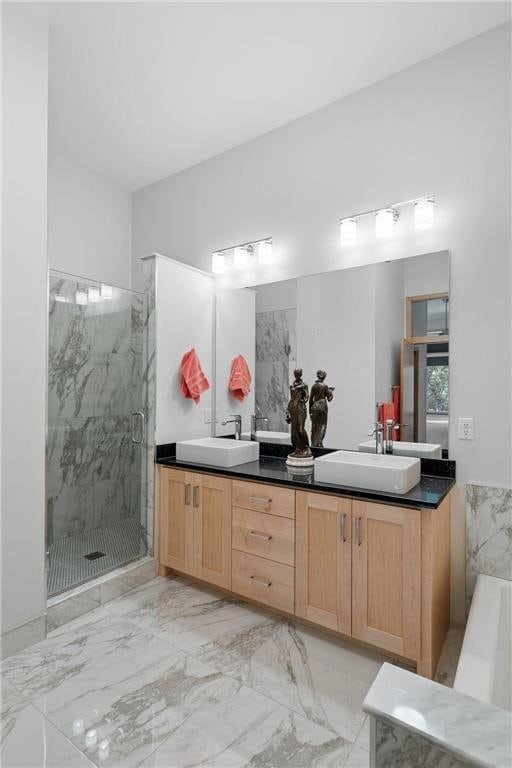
(138, 434)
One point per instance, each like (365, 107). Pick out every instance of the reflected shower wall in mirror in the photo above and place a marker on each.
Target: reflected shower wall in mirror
(380, 332)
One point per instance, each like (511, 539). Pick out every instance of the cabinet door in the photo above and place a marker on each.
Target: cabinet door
(386, 577)
(176, 520)
(323, 560)
(211, 499)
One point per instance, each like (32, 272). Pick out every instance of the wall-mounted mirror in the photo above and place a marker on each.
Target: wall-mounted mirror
(381, 334)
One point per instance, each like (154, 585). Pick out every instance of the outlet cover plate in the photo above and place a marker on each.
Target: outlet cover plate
(466, 428)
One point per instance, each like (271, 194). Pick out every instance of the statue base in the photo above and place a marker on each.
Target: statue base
(300, 461)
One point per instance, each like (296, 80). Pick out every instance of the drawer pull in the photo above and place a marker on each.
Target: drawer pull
(260, 582)
(187, 494)
(196, 495)
(358, 531)
(260, 500)
(343, 536)
(262, 536)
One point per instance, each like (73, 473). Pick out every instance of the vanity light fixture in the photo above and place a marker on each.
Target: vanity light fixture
(218, 263)
(93, 294)
(241, 257)
(265, 252)
(424, 213)
(385, 221)
(386, 218)
(81, 298)
(348, 231)
(106, 291)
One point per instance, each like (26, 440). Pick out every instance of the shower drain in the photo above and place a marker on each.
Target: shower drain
(94, 555)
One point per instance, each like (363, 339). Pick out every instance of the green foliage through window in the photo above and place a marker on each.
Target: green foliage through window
(437, 389)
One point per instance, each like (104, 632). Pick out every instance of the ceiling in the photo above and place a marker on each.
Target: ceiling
(139, 91)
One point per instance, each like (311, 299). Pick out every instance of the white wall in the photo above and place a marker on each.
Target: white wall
(89, 224)
(235, 334)
(275, 296)
(428, 274)
(389, 325)
(440, 127)
(184, 319)
(24, 279)
(336, 332)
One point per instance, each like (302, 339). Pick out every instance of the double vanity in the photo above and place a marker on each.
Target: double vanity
(372, 565)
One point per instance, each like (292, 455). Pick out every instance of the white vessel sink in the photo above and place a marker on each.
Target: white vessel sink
(376, 472)
(222, 452)
(267, 436)
(421, 450)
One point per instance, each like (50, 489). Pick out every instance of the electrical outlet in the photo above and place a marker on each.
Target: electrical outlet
(466, 428)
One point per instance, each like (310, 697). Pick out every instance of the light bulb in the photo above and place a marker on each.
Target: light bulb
(348, 231)
(241, 258)
(81, 298)
(385, 222)
(106, 291)
(218, 263)
(424, 213)
(265, 252)
(93, 294)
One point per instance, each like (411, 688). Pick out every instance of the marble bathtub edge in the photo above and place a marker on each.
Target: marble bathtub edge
(396, 693)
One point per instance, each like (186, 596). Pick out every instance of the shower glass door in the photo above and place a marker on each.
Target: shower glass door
(96, 445)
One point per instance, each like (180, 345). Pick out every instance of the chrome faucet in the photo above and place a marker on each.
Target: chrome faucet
(255, 418)
(390, 429)
(237, 421)
(378, 431)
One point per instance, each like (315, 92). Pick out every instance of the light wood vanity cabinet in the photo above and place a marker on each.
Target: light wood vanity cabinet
(195, 525)
(376, 572)
(386, 577)
(263, 539)
(323, 560)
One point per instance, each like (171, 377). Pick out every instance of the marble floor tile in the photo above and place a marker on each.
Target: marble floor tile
(314, 674)
(363, 737)
(317, 676)
(129, 685)
(190, 616)
(29, 740)
(175, 674)
(358, 758)
(241, 728)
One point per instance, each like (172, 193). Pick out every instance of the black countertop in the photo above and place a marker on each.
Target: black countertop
(427, 494)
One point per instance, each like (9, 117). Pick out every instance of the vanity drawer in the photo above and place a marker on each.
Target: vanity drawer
(264, 498)
(265, 535)
(263, 580)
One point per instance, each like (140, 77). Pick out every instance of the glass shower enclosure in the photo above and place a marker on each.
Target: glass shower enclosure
(96, 430)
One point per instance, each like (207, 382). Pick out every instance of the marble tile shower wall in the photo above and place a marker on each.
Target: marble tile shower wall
(95, 381)
(149, 381)
(276, 357)
(488, 534)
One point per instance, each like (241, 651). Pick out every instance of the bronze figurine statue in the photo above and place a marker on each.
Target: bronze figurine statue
(321, 394)
(296, 416)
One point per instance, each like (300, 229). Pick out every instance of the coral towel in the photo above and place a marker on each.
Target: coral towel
(240, 378)
(193, 382)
